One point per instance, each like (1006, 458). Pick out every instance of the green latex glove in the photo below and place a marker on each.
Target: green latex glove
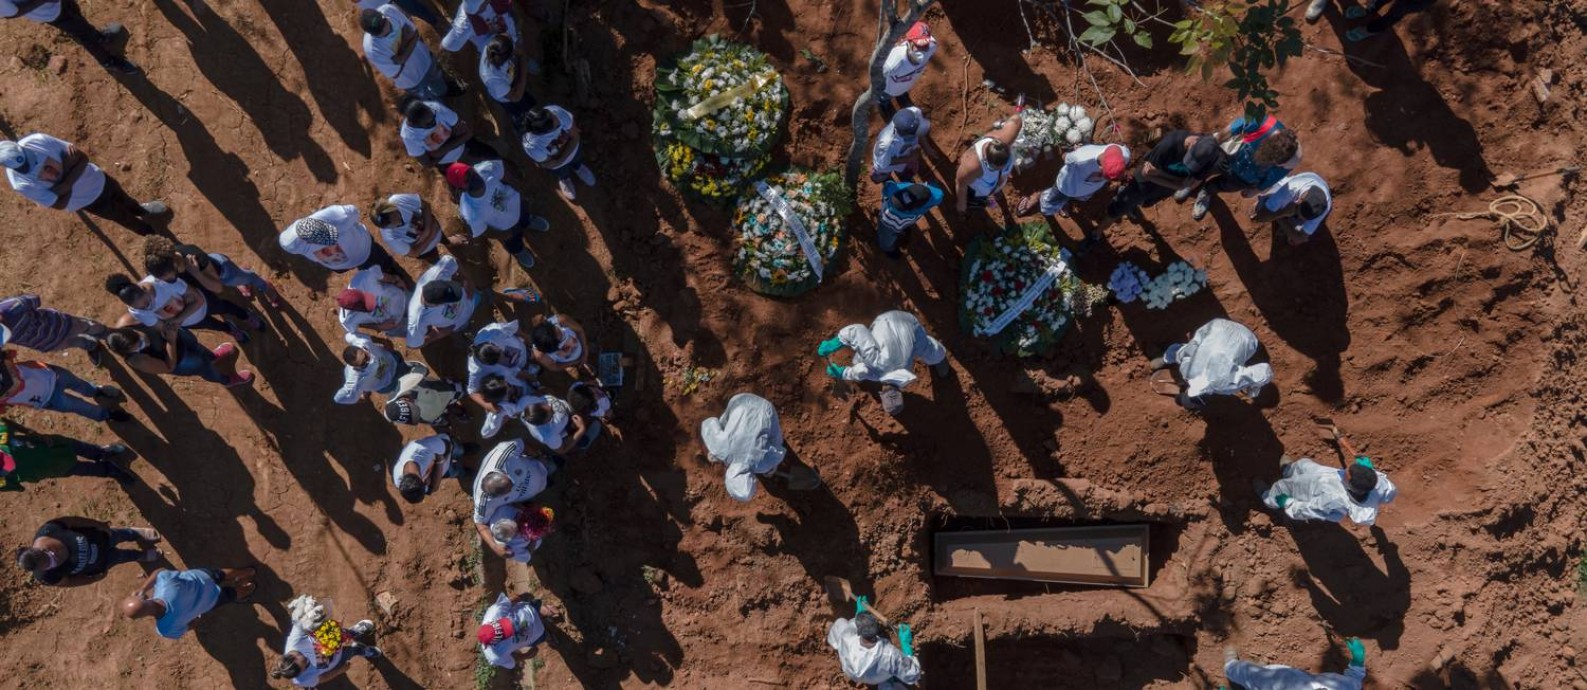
(1364, 460)
(1282, 500)
(1358, 651)
(836, 371)
(860, 604)
(906, 639)
(829, 346)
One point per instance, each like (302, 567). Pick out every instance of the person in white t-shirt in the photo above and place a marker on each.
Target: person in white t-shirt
(551, 422)
(442, 303)
(423, 463)
(46, 387)
(304, 661)
(54, 174)
(408, 225)
(1297, 206)
(68, 17)
(905, 63)
(504, 398)
(476, 21)
(505, 70)
(552, 140)
(508, 628)
(371, 367)
(393, 47)
(507, 476)
(559, 343)
(519, 529)
(152, 301)
(434, 135)
(498, 350)
(374, 301)
(897, 150)
(1086, 171)
(333, 237)
(489, 202)
(422, 10)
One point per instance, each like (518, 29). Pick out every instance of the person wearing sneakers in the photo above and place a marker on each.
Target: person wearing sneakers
(371, 368)
(54, 174)
(307, 661)
(886, 352)
(552, 140)
(1180, 160)
(520, 529)
(76, 551)
(1086, 171)
(374, 301)
(1260, 153)
(897, 150)
(334, 238)
(48, 387)
(152, 301)
(176, 598)
(166, 349)
(68, 17)
(504, 70)
(868, 657)
(1214, 362)
(507, 476)
(442, 303)
(32, 326)
(748, 439)
(424, 462)
(393, 47)
(477, 21)
(407, 224)
(905, 63)
(903, 205)
(1280, 677)
(434, 135)
(984, 168)
(1297, 206)
(510, 629)
(28, 457)
(489, 202)
(166, 260)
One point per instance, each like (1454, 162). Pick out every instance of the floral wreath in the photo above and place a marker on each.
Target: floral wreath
(719, 111)
(770, 257)
(998, 271)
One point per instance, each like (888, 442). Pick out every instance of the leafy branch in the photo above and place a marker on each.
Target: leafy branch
(1251, 38)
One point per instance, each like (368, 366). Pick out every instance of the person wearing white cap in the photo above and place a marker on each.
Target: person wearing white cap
(334, 237)
(748, 439)
(886, 352)
(1213, 362)
(905, 63)
(509, 627)
(393, 47)
(54, 174)
(68, 17)
(897, 149)
(477, 21)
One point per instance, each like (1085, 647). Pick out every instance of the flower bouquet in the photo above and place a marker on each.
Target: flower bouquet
(1045, 131)
(719, 111)
(1001, 273)
(1128, 282)
(1181, 280)
(328, 638)
(771, 258)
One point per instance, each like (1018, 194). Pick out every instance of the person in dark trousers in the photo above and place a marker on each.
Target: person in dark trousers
(54, 174)
(66, 16)
(1180, 160)
(75, 551)
(28, 457)
(1379, 23)
(903, 205)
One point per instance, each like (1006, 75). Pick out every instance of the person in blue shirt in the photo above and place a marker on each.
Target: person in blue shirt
(903, 204)
(176, 598)
(1260, 153)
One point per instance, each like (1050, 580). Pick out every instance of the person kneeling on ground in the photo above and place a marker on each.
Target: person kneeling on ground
(1279, 677)
(318, 649)
(748, 439)
(886, 352)
(424, 463)
(1214, 363)
(176, 598)
(869, 658)
(74, 551)
(508, 628)
(27, 457)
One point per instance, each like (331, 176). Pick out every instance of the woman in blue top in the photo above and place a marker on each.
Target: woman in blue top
(1260, 153)
(176, 598)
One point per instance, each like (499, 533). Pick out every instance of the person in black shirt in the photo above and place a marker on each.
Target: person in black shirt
(170, 350)
(1179, 159)
(74, 551)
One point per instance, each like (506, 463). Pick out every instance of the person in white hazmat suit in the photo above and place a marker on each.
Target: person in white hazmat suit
(1214, 363)
(1310, 492)
(886, 352)
(1279, 677)
(748, 439)
(869, 658)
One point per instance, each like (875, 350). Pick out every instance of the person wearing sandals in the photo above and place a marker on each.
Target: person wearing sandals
(28, 457)
(1214, 362)
(152, 301)
(46, 387)
(886, 352)
(552, 140)
(319, 649)
(76, 551)
(176, 598)
(166, 260)
(165, 350)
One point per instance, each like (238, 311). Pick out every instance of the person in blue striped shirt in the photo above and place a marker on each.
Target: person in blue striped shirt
(903, 204)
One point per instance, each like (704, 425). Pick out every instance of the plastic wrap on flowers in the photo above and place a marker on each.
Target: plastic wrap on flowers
(771, 258)
(1046, 132)
(719, 111)
(1000, 272)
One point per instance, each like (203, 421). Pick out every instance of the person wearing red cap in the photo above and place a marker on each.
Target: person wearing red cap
(511, 626)
(489, 202)
(984, 168)
(1086, 171)
(374, 301)
(905, 63)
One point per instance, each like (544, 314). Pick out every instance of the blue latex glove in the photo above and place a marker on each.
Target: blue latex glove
(1281, 500)
(836, 371)
(860, 604)
(1364, 460)
(1358, 652)
(829, 346)
(906, 639)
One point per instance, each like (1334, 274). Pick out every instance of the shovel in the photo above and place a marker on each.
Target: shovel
(1327, 425)
(1510, 181)
(800, 478)
(842, 594)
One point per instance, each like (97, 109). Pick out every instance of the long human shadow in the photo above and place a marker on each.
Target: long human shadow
(965, 479)
(1451, 140)
(996, 41)
(1301, 294)
(339, 80)
(1347, 588)
(834, 548)
(229, 61)
(223, 178)
(1241, 445)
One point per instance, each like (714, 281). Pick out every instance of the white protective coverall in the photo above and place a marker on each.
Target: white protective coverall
(748, 439)
(887, 350)
(881, 665)
(1279, 677)
(1317, 492)
(1213, 362)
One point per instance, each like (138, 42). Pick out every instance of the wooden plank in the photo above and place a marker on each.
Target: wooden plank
(1099, 555)
(980, 652)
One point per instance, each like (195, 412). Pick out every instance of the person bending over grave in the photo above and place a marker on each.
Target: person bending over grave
(886, 352)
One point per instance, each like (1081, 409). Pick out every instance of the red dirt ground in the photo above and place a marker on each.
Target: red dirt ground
(1452, 360)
